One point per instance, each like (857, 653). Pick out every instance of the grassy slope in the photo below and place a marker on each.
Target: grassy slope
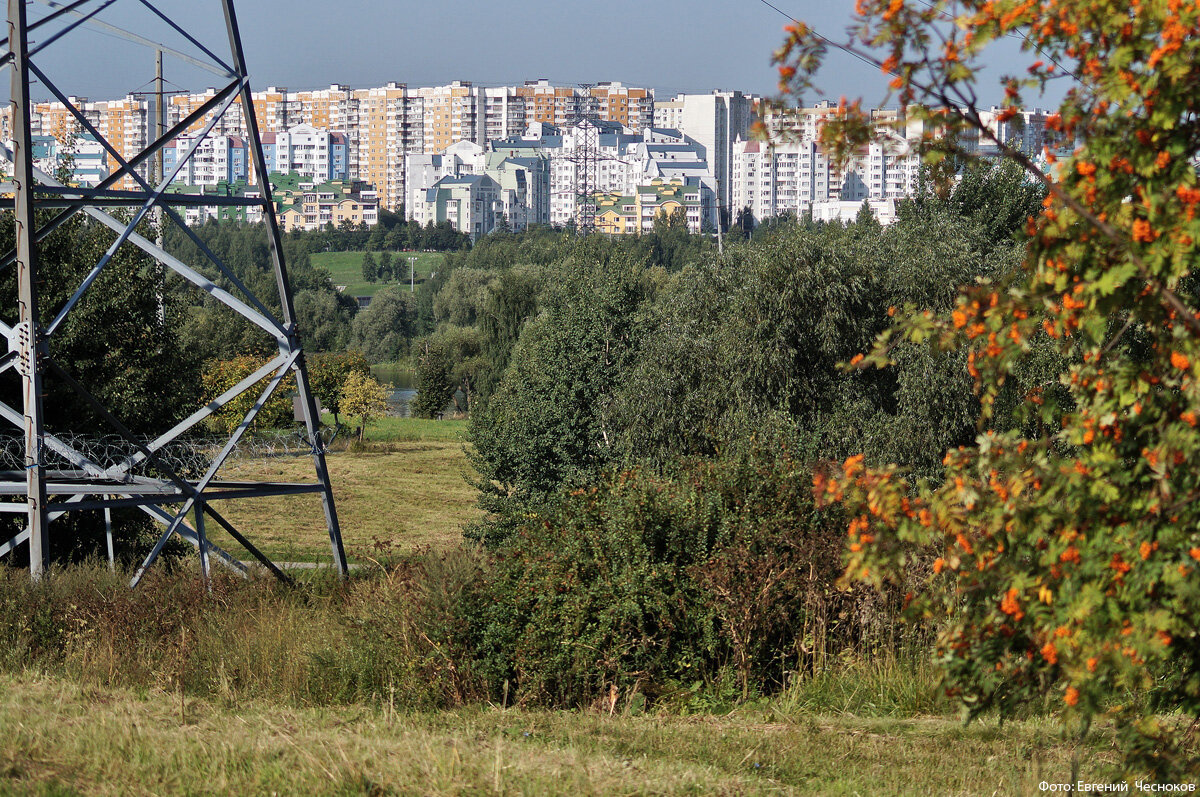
(849, 733)
(412, 492)
(346, 269)
(65, 738)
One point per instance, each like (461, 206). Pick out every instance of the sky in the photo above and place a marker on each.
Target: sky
(671, 45)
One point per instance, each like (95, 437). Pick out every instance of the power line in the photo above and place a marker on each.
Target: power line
(869, 62)
(825, 39)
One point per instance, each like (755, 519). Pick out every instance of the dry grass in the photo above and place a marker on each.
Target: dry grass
(61, 737)
(412, 495)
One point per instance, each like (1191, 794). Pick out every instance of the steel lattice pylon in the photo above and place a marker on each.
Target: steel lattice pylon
(86, 484)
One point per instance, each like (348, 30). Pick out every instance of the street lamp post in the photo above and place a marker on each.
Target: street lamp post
(412, 275)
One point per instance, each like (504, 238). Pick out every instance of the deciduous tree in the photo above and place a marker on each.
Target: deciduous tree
(1068, 550)
(365, 398)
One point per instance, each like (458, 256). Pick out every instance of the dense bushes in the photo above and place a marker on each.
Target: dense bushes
(658, 582)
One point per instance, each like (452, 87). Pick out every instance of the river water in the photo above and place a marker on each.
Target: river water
(403, 389)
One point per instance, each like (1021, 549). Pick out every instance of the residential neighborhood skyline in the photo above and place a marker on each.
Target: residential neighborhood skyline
(673, 47)
(607, 155)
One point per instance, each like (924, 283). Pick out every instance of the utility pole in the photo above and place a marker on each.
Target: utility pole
(29, 332)
(160, 126)
(160, 121)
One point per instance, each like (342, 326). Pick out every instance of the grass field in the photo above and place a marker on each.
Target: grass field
(265, 691)
(409, 493)
(346, 269)
(65, 738)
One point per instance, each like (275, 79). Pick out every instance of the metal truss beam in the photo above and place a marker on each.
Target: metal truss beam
(85, 482)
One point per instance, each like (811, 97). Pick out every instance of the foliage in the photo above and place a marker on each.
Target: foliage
(370, 269)
(648, 582)
(1069, 554)
(543, 428)
(510, 301)
(121, 342)
(382, 331)
(221, 375)
(213, 331)
(327, 375)
(764, 329)
(385, 266)
(323, 319)
(434, 386)
(363, 397)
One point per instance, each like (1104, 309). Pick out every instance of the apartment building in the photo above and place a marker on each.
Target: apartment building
(83, 153)
(314, 153)
(215, 159)
(524, 188)
(311, 206)
(629, 106)
(123, 123)
(382, 125)
(199, 214)
(618, 214)
(471, 203)
(715, 121)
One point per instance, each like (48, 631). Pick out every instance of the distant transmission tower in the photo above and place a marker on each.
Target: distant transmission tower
(585, 158)
(60, 475)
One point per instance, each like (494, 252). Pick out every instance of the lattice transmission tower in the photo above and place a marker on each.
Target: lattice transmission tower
(59, 475)
(585, 159)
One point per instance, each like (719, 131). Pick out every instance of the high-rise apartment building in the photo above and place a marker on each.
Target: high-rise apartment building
(123, 123)
(715, 121)
(381, 125)
(311, 152)
(215, 159)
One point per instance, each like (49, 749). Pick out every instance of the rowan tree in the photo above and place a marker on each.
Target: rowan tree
(1068, 550)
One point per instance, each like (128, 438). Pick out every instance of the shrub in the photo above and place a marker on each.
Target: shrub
(652, 582)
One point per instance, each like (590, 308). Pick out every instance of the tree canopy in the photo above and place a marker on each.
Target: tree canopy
(1068, 556)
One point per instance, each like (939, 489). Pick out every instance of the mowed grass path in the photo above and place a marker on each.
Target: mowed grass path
(346, 269)
(411, 493)
(65, 738)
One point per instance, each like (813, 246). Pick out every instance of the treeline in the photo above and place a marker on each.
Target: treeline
(646, 437)
(326, 318)
(393, 233)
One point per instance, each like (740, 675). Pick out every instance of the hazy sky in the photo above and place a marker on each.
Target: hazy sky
(670, 45)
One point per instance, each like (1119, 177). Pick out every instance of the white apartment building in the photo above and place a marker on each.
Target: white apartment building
(798, 177)
(86, 155)
(715, 121)
(471, 203)
(215, 159)
(313, 153)
(524, 188)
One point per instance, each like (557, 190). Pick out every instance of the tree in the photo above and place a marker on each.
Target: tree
(743, 227)
(1067, 551)
(327, 374)
(363, 396)
(544, 427)
(385, 266)
(463, 295)
(221, 375)
(324, 319)
(370, 271)
(382, 331)
(434, 385)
